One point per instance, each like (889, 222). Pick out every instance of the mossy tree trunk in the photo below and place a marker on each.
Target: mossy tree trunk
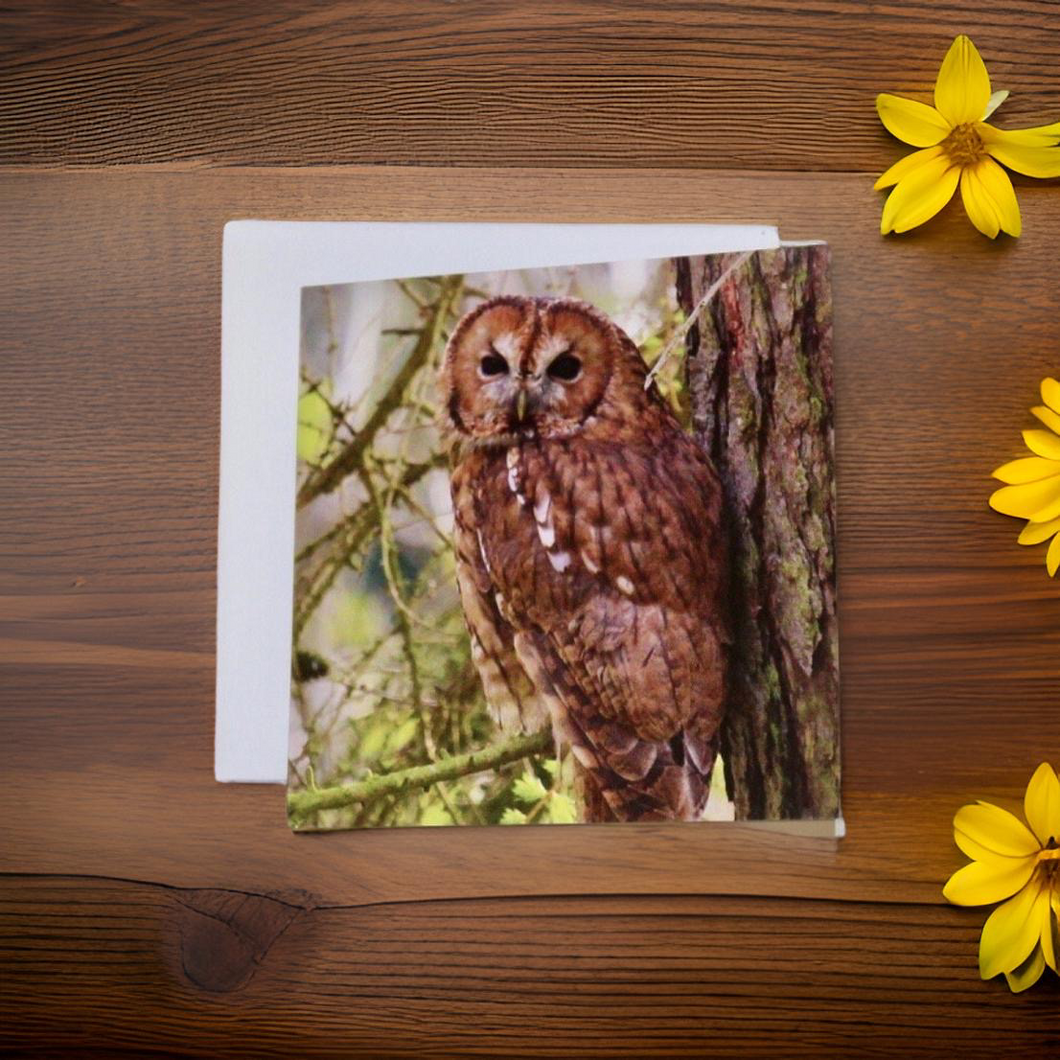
(760, 384)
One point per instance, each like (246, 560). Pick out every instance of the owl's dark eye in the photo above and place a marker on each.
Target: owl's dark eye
(565, 367)
(493, 364)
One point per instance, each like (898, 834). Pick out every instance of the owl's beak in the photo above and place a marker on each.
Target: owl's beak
(521, 401)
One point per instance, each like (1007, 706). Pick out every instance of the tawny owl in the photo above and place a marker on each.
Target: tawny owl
(590, 552)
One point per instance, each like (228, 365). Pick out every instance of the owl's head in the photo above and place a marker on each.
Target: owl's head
(536, 367)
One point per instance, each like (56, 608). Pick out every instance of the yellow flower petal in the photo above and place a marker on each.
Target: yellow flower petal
(1028, 973)
(1051, 394)
(1048, 931)
(1030, 161)
(1046, 130)
(1037, 501)
(996, 184)
(1041, 804)
(996, 829)
(906, 165)
(1011, 931)
(1052, 557)
(995, 101)
(976, 851)
(1036, 533)
(912, 122)
(1027, 469)
(919, 196)
(962, 89)
(1043, 443)
(1050, 418)
(984, 882)
(1041, 136)
(978, 205)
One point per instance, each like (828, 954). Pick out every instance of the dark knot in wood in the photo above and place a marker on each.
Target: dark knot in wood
(225, 935)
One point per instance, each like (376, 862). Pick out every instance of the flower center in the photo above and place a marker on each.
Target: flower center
(1049, 861)
(964, 145)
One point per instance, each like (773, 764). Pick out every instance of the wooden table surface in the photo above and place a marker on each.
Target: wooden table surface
(147, 909)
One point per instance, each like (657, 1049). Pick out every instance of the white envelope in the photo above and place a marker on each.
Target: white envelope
(265, 266)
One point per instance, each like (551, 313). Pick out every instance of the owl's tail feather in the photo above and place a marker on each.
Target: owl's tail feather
(626, 778)
(597, 808)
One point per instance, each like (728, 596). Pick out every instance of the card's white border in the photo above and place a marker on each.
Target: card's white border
(265, 266)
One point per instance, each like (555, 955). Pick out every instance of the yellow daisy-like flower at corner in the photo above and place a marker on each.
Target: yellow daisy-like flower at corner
(1033, 482)
(958, 146)
(1020, 864)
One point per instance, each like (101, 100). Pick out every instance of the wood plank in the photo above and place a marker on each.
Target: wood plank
(110, 363)
(499, 82)
(113, 965)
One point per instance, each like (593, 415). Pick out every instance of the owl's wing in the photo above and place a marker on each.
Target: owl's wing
(639, 658)
(510, 693)
(645, 624)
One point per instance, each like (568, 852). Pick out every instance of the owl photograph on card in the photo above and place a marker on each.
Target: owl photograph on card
(565, 547)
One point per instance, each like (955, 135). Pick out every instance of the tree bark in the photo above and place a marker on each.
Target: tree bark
(760, 385)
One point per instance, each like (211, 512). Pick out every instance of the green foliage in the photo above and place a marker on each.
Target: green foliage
(562, 809)
(314, 424)
(528, 788)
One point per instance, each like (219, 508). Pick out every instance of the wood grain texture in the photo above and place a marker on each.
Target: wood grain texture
(147, 910)
(108, 495)
(230, 976)
(723, 84)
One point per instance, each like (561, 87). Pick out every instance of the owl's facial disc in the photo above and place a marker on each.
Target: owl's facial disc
(520, 368)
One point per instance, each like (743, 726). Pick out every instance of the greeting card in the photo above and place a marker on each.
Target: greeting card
(565, 546)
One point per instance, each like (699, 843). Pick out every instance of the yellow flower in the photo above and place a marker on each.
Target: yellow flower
(1033, 490)
(958, 146)
(1020, 936)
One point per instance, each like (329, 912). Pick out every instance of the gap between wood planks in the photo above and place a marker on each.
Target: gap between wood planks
(309, 902)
